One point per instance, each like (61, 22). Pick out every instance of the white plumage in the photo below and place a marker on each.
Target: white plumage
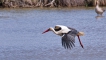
(64, 29)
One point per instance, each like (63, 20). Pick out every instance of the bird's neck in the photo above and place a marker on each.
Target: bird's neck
(52, 29)
(56, 32)
(97, 3)
(97, 6)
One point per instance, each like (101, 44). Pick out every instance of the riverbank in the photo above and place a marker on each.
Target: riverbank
(48, 3)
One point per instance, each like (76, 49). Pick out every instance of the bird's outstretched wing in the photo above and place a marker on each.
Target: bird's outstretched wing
(68, 39)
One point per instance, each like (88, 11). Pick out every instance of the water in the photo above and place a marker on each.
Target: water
(21, 35)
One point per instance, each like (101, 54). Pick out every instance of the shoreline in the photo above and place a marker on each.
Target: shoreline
(48, 3)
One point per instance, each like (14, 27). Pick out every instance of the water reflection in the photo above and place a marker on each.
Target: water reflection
(97, 17)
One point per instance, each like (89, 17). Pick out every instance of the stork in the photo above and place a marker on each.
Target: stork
(98, 9)
(68, 35)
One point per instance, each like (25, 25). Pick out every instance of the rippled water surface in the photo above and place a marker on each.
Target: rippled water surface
(21, 35)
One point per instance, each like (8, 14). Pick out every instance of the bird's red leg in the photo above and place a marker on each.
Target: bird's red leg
(80, 41)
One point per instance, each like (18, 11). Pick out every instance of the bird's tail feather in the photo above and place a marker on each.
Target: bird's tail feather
(81, 33)
(103, 10)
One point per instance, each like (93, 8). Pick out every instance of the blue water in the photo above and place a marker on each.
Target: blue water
(21, 35)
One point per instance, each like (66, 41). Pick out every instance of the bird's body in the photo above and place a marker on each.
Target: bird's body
(60, 30)
(68, 35)
(98, 9)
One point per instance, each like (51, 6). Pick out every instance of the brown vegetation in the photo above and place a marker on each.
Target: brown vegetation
(49, 3)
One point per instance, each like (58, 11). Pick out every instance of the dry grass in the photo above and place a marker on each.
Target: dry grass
(50, 3)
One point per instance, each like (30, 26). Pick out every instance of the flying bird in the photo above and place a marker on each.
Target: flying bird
(68, 35)
(98, 9)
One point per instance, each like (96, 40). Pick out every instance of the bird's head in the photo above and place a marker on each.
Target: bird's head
(97, 2)
(56, 28)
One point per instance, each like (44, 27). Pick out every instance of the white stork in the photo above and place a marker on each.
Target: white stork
(68, 35)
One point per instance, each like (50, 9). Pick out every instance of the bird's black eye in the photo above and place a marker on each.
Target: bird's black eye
(57, 29)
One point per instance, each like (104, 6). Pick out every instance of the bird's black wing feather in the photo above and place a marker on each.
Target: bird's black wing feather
(68, 39)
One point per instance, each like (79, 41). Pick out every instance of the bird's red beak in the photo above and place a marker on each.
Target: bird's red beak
(46, 31)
